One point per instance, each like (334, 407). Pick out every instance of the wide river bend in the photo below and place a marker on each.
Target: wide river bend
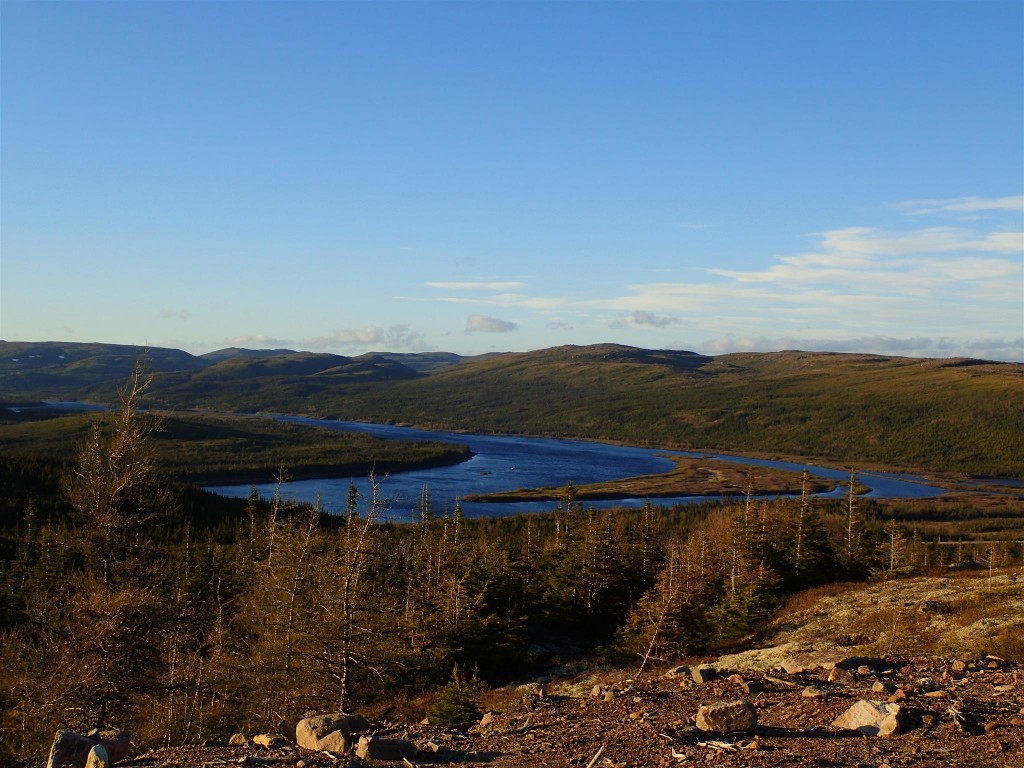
(502, 463)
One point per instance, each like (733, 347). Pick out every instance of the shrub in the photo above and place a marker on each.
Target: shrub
(455, 705)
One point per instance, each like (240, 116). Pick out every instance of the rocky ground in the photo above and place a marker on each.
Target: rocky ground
(961, 708)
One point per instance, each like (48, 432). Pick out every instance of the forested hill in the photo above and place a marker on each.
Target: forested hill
(943, 414)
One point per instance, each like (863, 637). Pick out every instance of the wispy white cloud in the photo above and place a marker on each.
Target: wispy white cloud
(485, 324)
(642, 317)
(477, 285)
(919, 346)
(174, 314)
(352, 337)
(968, 205)
(909, 263)
(867, 284)
(396, 337)
(258, 341)
(509, 300)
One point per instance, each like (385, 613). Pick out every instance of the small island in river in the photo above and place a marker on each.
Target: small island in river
(690, 477)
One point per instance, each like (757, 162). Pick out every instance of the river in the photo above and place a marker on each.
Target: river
(501, 463)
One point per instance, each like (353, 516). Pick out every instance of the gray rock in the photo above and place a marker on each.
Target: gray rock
(681, 671)
(376, 748)
(881, 686)
(117, 743)
(331, 732)
(873, 718)
(336, 742)
(69, 750)
(97, 757)
(728, 717)
(814, 692)
(238, 740)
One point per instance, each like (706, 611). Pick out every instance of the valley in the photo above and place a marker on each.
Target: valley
(658, 528)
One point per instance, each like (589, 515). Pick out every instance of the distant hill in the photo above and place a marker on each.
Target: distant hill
(56, 370)
(425, 362)
(229, 352)
(900, 412)
(955, 415)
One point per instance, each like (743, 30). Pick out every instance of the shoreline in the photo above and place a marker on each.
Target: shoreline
(322, 472)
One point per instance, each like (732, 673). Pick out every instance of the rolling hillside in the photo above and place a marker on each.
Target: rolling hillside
(951, 415)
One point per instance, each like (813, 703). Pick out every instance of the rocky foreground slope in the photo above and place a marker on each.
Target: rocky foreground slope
(817, 692)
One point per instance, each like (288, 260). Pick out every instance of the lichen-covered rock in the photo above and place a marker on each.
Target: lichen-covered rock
(728, 717)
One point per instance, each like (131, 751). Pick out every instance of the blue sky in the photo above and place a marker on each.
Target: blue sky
(478, 176)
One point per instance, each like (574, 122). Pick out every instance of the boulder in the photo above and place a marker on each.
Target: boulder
(69, 750)
(376, 748)
(814, 692)
(331, 732)
(97, 757)
(237, 740)
(117, 743)
(873, 718)
(728, 717)
(336, 742)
